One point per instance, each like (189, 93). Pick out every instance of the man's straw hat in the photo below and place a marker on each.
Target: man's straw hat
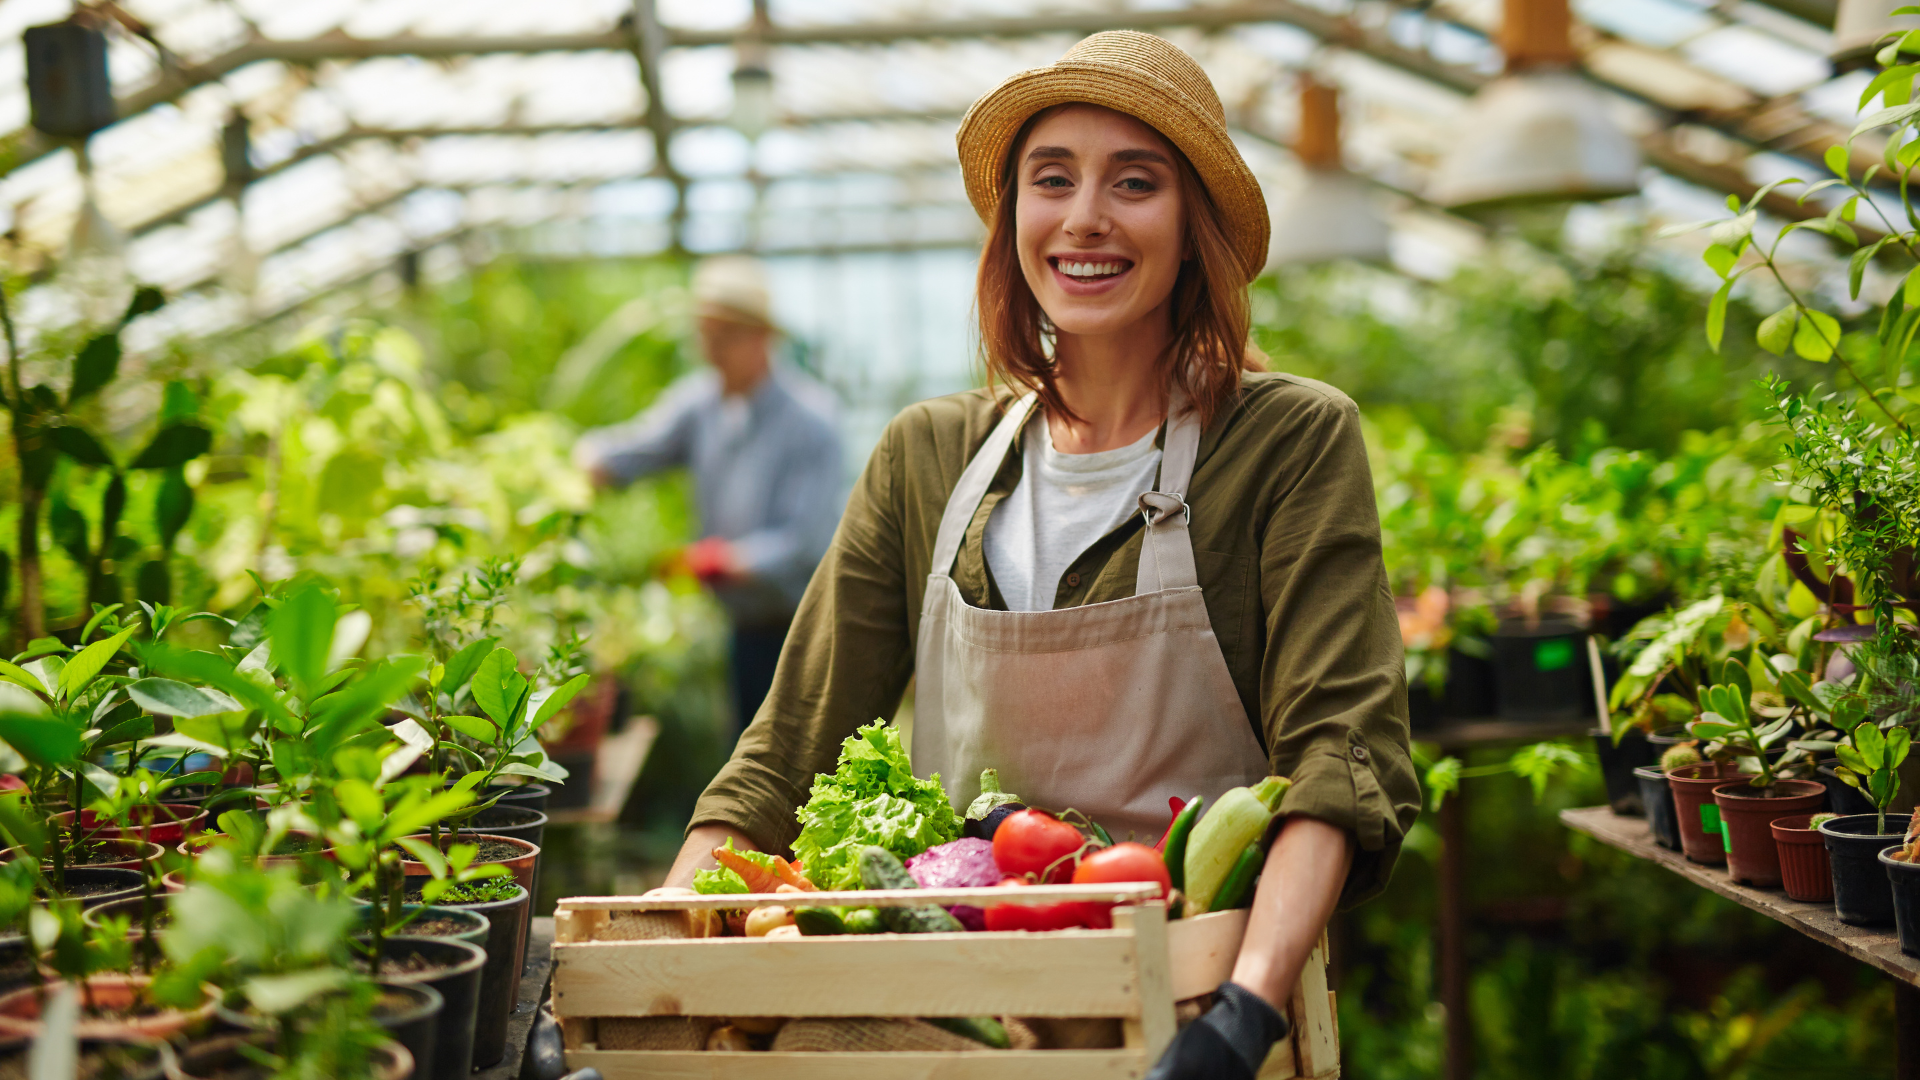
(733, 288)
(1145, 77)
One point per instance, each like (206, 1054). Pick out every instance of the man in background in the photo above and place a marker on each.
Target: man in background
(760, 439)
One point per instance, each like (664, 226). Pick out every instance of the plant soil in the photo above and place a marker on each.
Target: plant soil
(91, 855)
(491, 851)
(95, 888)
(409, 964)
(435, 926)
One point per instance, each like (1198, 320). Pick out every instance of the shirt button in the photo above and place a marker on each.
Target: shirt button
(1359, 753)
(1073, 581)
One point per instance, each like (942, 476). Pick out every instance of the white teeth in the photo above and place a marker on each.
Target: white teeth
(1090, 269)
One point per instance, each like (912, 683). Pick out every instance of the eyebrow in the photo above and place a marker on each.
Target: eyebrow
(1119, 157)
(1128, 156)
(1050, 153)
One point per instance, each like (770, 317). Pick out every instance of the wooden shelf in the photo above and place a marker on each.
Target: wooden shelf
(1871, 945)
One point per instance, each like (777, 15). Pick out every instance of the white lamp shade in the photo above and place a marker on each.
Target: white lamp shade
(1858, 25)
(1332, 216)
(1537, 136)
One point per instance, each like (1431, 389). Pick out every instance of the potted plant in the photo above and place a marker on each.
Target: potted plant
(1748, 806)
(1902, 863)
(508, 909)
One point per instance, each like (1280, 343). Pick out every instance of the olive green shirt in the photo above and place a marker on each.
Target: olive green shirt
(1286, 540)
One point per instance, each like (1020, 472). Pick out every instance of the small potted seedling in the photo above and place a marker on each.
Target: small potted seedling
(1870, 762)
(1747, 807)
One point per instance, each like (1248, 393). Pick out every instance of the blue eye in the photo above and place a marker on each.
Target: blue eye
(1135, 183)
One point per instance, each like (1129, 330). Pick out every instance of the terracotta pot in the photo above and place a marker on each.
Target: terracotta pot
(128, 855)
(20, 1010)
(1698, 815)
(193, 846)
(166, 823)
(389, 1061)
(173, 882)
(1745, 814)
(1804, 870)
(130, 908)
(520, 866)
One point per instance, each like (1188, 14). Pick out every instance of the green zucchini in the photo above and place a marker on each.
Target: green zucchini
(1175, 854)
(862, 920)
(1240, 817)
(981, 1029)
(818, 921)
(1237, 889)
(880, 869)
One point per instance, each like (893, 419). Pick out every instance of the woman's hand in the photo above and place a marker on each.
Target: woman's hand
(697, 852)
(1299, 886)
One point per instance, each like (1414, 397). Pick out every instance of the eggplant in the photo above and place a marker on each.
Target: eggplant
(984, 827)
(992, 806)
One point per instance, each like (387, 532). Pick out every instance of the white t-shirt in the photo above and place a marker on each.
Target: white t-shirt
(1061, 506)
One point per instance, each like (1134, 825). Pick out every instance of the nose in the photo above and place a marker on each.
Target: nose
(1087, 219)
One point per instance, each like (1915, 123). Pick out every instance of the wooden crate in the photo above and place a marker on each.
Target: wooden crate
(614, 957)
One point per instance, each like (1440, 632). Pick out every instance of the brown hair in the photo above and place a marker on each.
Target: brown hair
(1211, 320)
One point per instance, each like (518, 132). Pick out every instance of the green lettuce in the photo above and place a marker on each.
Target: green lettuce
(871, 797)
(718, 880)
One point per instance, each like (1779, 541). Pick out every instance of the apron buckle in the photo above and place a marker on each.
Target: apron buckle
(1158, 506)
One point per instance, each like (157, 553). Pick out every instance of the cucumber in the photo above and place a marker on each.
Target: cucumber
(982, 1029)
(1175, 853)
(1237, 889)
(862, 920)
(1240, 818)
(880, 869)
(818, 921)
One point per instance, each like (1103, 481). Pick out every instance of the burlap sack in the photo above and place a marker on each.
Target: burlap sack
(867, 1034)
(654, 925)
(1075, 1032)
(656, 1032)
(1020, 1034)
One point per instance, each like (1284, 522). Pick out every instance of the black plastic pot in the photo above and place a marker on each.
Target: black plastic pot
(458, 982)
(17, 967)
(116, 884)
(531, 796)
(1657, 799)
(509, 923)
(1541, 671)
(519, 822)
(1842, 796)
(1862, 895)
(414, 1022)
(1617, 765)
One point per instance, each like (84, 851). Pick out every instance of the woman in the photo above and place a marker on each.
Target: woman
(1155, 572)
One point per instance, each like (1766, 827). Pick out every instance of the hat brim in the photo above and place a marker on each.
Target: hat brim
(986, 135)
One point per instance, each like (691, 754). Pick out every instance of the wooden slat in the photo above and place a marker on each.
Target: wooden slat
(988, 897)
(1278, 1066)
(1316, 1047)
(1203, 950)
(1154, 1028)
(982, 1065)
(1068, 973)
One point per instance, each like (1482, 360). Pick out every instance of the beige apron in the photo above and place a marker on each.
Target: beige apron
(1106, 708)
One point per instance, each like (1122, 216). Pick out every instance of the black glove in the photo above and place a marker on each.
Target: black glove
(1229, 1042)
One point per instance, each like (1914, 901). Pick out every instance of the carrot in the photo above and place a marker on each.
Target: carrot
(791, 875)
(758, 878)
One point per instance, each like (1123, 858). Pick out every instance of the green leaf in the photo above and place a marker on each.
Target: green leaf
(90, 661)
(1719, 259)
(473, 727)
(165, 697)
(1836, 156)
(214, 671)
(1897, 114)
(301, 630)
(417, 816)
(1850, 758)
(1871, 744)
(1717, 315)
(362, 704)
(425, 853)
(1899, 741)
(278, 994)
(490, 684)
(360, 802)
(1709, 729)
(174, 445)
(140, 727)
(42, 740)
(172, 506)
(547, 703)
(464, 662)
(23, 678)
(1816, 336)
(95, 367)
(79, 444)
(1776, 330)
(1733, 233)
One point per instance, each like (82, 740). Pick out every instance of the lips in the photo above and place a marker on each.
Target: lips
(1090, 270)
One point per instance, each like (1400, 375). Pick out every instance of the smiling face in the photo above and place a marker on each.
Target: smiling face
(1100, 224)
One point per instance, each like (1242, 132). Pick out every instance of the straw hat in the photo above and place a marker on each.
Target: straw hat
(733, 288)
(1146, 77)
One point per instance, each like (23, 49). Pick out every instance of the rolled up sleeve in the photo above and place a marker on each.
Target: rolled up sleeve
(1333, 683)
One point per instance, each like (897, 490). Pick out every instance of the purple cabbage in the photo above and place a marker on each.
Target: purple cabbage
(961, 864)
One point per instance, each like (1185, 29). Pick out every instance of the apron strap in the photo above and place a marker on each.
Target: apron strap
(1166, 549)
(973, 484)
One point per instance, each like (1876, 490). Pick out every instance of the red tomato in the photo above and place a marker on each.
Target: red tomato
(1036, 916)
(1126, 861)
(1030, 841)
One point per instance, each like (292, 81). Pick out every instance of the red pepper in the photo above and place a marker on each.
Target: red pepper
(1176, 804)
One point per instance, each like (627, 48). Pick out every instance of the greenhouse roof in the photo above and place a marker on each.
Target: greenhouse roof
(380, 129)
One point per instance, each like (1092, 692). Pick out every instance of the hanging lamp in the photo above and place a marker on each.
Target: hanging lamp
(1540, 132)
(1859, 27)
(1333, 214)
(752, 111)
